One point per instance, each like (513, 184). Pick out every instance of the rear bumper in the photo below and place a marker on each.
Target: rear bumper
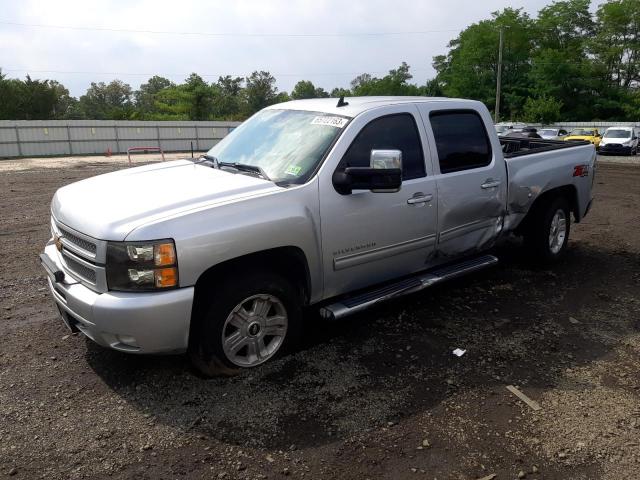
(129, 322)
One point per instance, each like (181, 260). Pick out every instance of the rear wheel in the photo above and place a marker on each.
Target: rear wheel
(547, 235)
(249, 321)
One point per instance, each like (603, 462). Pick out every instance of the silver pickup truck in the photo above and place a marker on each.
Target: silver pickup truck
(337, 204)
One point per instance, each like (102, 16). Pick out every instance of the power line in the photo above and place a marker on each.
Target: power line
(178, 74)
(225, 34)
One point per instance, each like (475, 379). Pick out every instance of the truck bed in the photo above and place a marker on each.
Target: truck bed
(517, 147)
(536, 166)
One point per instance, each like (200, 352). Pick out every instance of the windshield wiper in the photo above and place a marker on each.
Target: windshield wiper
(245, 167)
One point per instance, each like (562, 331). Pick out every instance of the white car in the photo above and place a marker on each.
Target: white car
(619, 141)
(553, 133)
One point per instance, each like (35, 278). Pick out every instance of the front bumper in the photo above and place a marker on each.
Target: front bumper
(156, 322)
(615, 149)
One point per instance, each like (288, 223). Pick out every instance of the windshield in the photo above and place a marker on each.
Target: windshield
(582, 132)
(286, 144)
(617, 133)
(501, 128)
(548, 132)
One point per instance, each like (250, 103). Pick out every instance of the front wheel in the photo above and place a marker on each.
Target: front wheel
(548, 234)
(248, 321)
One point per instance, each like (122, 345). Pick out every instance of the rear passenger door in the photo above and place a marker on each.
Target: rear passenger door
(470, 178)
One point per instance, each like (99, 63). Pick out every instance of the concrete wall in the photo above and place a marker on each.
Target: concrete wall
(37, 138)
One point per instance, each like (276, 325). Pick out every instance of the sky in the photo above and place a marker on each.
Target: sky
(326, 41)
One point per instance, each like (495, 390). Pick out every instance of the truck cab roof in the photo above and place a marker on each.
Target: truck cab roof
(358, 105)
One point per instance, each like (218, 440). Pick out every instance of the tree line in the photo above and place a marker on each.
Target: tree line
(567, 63)
(230, 98)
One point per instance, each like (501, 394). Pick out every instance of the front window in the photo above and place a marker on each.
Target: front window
(617, 133)
(581, 132)
(287, 144)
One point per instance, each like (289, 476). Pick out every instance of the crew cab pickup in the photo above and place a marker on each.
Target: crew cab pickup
(335, 204)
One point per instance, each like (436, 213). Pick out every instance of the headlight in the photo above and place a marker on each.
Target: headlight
(142, 266)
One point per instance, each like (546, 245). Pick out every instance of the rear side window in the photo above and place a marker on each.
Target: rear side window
(461, 140)
(395, 132)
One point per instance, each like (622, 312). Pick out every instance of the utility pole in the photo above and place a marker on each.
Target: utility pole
(499, 77)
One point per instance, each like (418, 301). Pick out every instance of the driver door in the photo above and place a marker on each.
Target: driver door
(370, 237)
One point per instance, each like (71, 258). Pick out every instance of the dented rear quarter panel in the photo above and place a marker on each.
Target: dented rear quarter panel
(532, 175)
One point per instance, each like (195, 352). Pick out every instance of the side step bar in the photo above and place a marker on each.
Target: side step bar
(421, 281)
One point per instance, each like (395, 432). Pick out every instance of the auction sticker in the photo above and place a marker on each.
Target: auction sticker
(293, 170)
(337, 122)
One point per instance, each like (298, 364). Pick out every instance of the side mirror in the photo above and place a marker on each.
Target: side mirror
(383, 175)
(387, 160)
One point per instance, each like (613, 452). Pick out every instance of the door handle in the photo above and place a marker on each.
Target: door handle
(490, 184)
(419, 198)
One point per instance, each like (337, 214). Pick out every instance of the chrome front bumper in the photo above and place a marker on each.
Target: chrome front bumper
(155, 322)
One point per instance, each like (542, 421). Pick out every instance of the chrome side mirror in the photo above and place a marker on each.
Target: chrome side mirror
(386, 160)
(384, 174)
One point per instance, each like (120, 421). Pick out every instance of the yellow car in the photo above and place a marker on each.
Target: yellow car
(589, 134)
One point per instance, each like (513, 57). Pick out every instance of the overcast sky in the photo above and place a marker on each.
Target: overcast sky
(344, 50)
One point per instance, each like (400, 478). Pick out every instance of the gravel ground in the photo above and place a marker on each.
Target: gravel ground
(377, 396)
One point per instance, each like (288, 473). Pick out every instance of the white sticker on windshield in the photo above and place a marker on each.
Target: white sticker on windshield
(337, 122)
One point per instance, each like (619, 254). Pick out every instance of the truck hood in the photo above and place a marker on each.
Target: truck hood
(615, 141)
(110, 206)
(589, 138)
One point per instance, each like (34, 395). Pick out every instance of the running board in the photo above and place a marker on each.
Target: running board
(424, 280)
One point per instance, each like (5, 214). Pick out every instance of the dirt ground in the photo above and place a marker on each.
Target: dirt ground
(377, 396)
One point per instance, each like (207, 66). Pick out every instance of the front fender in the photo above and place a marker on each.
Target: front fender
(207, 237)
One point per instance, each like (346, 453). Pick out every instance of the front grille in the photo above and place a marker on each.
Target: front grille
(79, 269)
(78, 242)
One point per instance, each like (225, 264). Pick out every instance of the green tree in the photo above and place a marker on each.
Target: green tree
(228, 102)
(396, 82)
(433, 88)
(470, 68)
(543, 110)
(260, 91)
(560, 66)
(11, 91)
(145, 96)
(306, 89)
(110, 101)
(33, 99)
(172, 103)
(617, 41)
(340, 92)
(200, 97)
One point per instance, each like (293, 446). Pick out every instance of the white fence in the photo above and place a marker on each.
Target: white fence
(601, 126)
(37, 138)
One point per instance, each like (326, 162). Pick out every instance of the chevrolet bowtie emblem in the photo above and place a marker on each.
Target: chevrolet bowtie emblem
(57, 240)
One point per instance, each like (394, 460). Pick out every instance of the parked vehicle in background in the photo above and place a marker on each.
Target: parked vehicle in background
(526, 132)
(337, 204)
(585, 134)
(507, 127)
(619, 141)
(550, 133)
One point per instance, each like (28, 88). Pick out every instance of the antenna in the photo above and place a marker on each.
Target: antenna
(341, 102)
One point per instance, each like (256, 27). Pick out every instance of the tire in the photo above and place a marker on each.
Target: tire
(245, 310)
(547, 234)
